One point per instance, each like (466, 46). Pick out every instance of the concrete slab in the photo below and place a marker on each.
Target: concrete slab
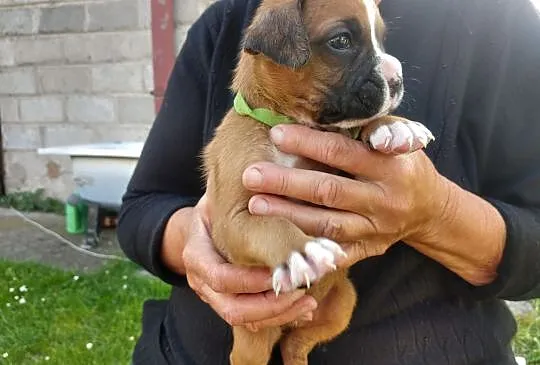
(22, 241)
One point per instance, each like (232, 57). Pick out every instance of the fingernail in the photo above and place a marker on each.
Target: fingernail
(277, 135)
(259, 206)
(253, 177)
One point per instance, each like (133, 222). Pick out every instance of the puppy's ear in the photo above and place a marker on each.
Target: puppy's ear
(278, 32)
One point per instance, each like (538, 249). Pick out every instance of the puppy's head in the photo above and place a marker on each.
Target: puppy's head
(320, 61)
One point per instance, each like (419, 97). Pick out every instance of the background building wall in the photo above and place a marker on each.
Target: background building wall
(75, 72)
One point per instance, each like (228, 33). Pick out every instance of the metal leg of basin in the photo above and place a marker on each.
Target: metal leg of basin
(91, 239)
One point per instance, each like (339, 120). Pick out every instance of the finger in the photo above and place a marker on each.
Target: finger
(203, 260)
(362, 250)
(302, 308)
(331, 149)
(339, 226)
(317, 187)
(244, 308)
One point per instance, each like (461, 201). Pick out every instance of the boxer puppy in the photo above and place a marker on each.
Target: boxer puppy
(319, 63)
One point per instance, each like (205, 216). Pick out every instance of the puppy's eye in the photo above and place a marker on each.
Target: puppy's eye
(341, 42)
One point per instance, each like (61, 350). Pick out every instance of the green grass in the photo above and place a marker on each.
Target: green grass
(527, 341)
(62, 315)
(97, 309)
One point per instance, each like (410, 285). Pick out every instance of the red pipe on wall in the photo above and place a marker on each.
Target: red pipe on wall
(163, 46)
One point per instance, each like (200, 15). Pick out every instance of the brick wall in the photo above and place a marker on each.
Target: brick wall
(74, 72)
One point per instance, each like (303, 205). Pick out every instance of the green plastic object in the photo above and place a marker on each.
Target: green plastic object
(76, 212)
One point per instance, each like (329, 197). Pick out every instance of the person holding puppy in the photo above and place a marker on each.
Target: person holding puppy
(453, 230)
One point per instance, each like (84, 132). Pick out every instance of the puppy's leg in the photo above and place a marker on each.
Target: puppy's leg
(253, 348)
(395, 135)
(296, 258)
(330, 319)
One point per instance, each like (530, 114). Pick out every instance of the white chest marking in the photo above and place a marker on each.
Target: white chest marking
(285, 159)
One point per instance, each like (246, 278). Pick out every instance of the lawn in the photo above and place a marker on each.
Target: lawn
(49, 316)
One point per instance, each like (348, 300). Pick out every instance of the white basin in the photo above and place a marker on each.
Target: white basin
(101, 171)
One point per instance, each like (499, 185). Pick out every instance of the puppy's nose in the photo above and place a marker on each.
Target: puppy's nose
(391, 69)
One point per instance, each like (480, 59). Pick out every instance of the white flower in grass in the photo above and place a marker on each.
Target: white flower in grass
(16, 297)
(124, 286)
(22, 300)
(47, 358)
(5, 355)
(11, 290)
(8, 305)
(89, 346)
(76, 277)
(132, 338)
(107, 272)
(124, 277)
(42, 299)
(23, 289)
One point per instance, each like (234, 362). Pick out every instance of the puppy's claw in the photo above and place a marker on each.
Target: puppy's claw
(306, 277)
(277, 279)
(319, 259)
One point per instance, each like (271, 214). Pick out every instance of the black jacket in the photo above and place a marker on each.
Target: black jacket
(472, 75)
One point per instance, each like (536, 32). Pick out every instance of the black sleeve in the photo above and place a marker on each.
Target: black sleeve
(511, 169)
(167, 176)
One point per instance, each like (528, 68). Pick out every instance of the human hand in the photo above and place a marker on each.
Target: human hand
(242, 296)
(388, 198)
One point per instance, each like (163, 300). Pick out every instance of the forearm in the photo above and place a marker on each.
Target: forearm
(174, 239)
(468, 238)
(143, 220)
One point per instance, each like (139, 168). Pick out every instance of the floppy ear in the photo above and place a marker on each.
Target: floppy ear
(278, 32)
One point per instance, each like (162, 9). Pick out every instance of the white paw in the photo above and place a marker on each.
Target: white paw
(319, 258)
(400, 137)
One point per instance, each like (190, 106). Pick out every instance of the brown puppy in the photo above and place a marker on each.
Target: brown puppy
(321, 64)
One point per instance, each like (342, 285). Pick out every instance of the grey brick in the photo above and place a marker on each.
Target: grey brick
(20, 137)
(62, 134)
(65, 79)
(186, 11)
(17, 81)
(26, 170)
(9, 111)
(145, 14)
(148, 78)
(138, 109)
(124, 77)
(7, 52)
(41, 109)
(90, 109)
(76, 48)
(16, 21)
(38, 50)
(113, 15)
(62, 19)
(124, 133)
(108, 47)
(180, 35)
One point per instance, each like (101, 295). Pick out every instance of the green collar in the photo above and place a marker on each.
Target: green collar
(262, 115)
(268, 117)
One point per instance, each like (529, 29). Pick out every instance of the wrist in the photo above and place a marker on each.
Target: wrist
(440, 210)
(174, 238)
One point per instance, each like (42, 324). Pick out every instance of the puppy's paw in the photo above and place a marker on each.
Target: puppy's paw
(400, 136)
(319, 257)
